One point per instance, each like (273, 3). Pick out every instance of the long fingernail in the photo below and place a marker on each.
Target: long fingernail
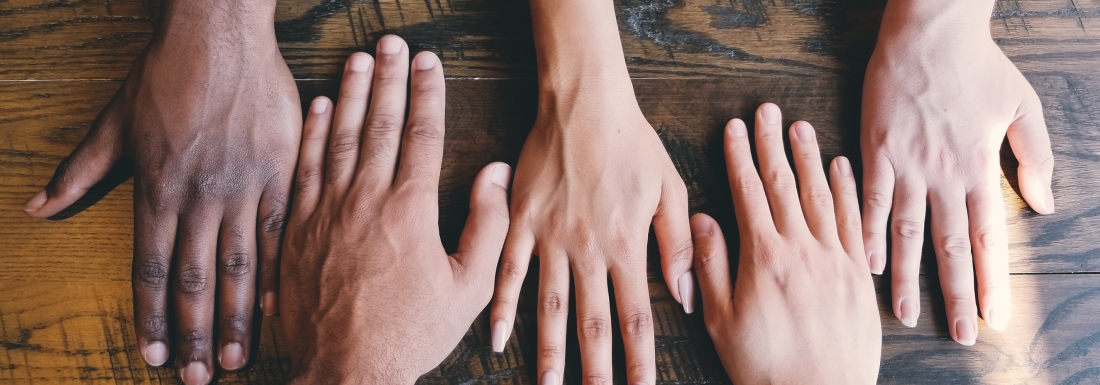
(907, 312)
(319, 106)
(687, 291)
(232, 356)
(804, 131)
(269, 305)
(425, 61)
(876, 263)
(500, 335)
(195, 374)
(737, 128)
(155, 354)
(359, 63)
(770, 113)
(965, 332)
(550, 377)
(843, 166)
(390, 45)
(36, 201)
(502, 175)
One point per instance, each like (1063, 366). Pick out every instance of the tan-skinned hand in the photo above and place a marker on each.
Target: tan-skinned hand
(369, 295)
(938, 100)
(803, 308)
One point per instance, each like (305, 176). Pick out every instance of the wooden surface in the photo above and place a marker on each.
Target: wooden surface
(65, 300)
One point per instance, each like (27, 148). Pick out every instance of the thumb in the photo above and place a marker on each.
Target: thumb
(87, 164)
(1031, 144)
(483, 238)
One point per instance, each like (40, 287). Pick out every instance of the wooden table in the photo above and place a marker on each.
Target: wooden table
(65, 299)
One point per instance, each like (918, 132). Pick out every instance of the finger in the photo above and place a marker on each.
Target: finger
(553, 317)
(236, 290)
(594, 320)
(269, 234)
(422, 147)
(907, 234)
(813, 188)
(985, 207)
(849, 228)
(518, 247)
(382, 135)
(951, 238)
(347, 131)
(673, 230)
(750, 204)
(194, 296)
(712, 265)
(311, 159)
(483, 237)
(635, 322)
(1031, 145)
(154, 240)
(878, 199)
(83, 168)
(779, 183)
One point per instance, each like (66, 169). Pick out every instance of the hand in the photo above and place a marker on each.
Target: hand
(938, 100)
(591, 178)
(803, 310)
(209, 116)
(369, 295)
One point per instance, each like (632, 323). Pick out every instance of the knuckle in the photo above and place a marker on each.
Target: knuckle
(878, 199)
(596, 379)
(383, 126)
(237, 264)
(747, 185)
(908, 230)
(988, 239)
(552, 304)
(195, 340)
(274, 223)
(821, 197)
(710, 258)
(427, 88)
(596, 327)
(510, 272)
(235, 322)
(424, 132)
(851, 222)
(956, 249)
(308, 176)
(193, 279)
(549, 352)
(637, 325)
(780, 180)
(154, 323)
(153, 274)
(683, 252)
(343, 144)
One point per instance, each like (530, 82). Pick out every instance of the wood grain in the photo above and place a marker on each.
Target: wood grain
(65, 300)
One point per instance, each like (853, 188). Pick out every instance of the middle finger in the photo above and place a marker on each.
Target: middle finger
(951, 238)
(779, 183)
(593, 319)
(194, 294)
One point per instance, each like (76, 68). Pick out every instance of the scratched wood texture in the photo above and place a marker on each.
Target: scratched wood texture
(65, 301)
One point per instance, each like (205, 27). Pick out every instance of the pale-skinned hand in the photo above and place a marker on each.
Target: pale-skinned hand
(368, 293)
(938, 100)
(803, 309)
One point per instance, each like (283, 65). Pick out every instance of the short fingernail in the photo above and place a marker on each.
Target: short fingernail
(390, 45)
(500, 335)
(36, 201)
(702, 229)
(965, 332)
(993, 320)
(844, 166)
(1049, 198)
(549, 377)
(770, 113)
(156, 354)
(502, 175)
(687, 291)
(232, 356)
(737, 128)
(269, 305)
(804, 131)
(319, 106)
(359, 62)
(195, 374)
(425, 61)
(907, 312)
(876, 263)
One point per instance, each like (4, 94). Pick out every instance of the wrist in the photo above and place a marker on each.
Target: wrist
(935, 22)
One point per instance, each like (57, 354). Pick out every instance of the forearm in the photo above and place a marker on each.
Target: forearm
(219, 24)
(577, 45)
(915, 18)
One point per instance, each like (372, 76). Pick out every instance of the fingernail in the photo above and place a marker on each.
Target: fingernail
(500, 336)
(737, 128)
(965, 332)
(36, 201)
(907, 312)
(549, 377)
(390, 45)
(269, 305)
(319, 106)
(195, 374)
(844, 166)
(702, 229)
(992, 320)
(155, 354)
(425, 61)
(1049, 200)
(359, 62)
(232, 356)
(687, 291)
(804, 131)
(876, 263)
(502, 175)
(770, 113)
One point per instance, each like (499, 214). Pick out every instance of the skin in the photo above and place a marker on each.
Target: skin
(803, 309)
(369, 294)
(591, 179)
(209, 118)
(939, 99)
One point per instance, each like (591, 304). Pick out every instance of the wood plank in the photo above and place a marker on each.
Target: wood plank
(97, 39)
